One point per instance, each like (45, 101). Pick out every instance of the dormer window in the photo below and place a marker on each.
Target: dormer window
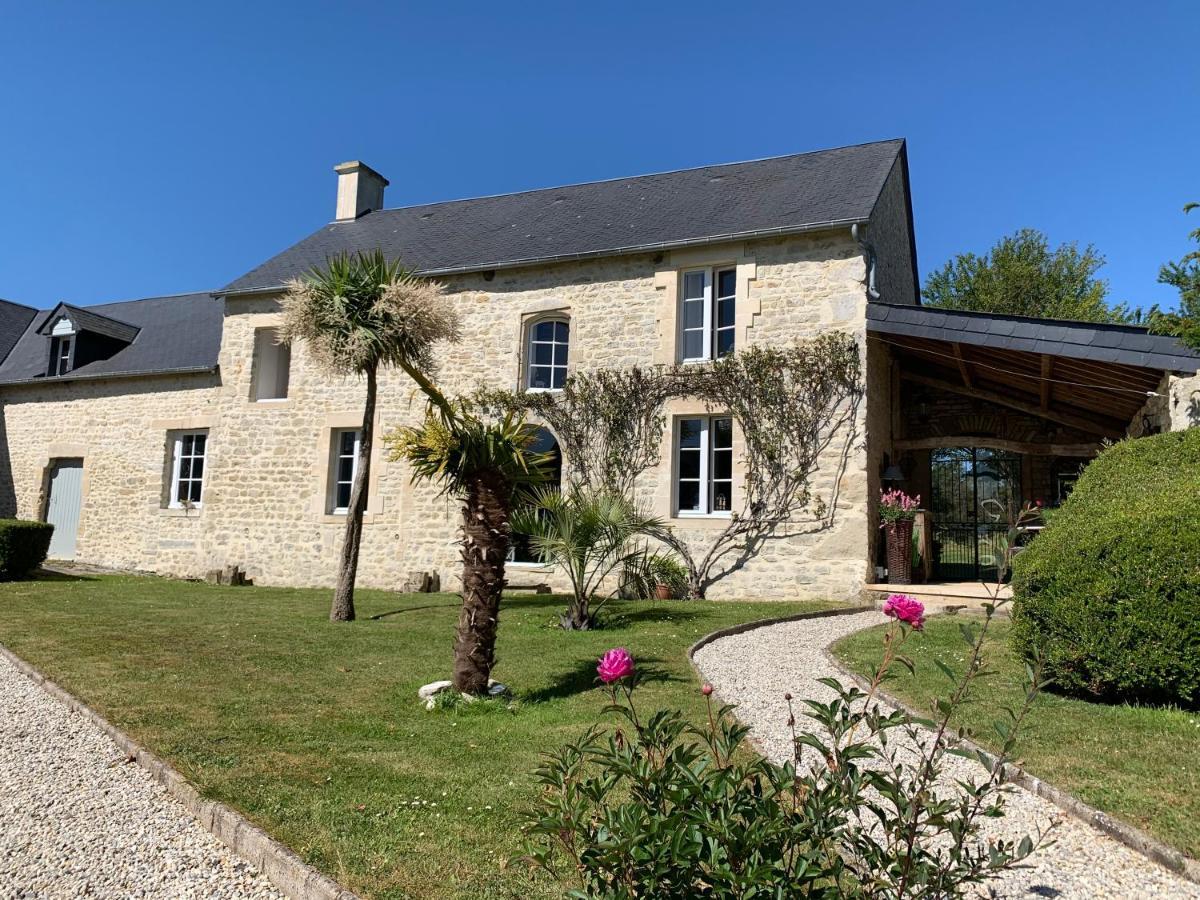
(79, 337)
(62, 349)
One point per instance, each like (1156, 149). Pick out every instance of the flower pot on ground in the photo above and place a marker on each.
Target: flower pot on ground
(663, 591)
(897, 510)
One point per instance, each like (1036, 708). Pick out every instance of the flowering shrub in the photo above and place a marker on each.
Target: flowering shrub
(906, 609)
(895, 505)
(657, 807)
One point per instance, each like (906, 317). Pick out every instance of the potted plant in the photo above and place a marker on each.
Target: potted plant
(668, 575)
(896, 513)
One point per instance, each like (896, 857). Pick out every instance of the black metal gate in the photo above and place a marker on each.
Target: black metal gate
(973, 490)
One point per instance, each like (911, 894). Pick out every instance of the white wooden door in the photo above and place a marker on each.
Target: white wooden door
(62, 508)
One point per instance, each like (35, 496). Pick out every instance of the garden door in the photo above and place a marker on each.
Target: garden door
(63, 504)
(973, 490)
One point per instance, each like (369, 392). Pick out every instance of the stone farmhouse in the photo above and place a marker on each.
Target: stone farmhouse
(174, 434)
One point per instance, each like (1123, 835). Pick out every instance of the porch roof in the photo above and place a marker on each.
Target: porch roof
(1088, 376)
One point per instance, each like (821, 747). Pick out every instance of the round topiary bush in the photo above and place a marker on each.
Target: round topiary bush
(1110, 591)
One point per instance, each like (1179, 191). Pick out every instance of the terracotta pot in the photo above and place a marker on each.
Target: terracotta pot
(662, 592)
(899, 551)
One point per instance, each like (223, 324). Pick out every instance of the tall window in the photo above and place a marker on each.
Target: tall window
(272, 362)
(60, 355)
(187, 468)
(704, 466)
(707, 311)
(519, 550)
(345, 467)
(549, 341)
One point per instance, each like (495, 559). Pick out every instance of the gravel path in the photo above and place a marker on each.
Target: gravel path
(78, 820)
(755, 669)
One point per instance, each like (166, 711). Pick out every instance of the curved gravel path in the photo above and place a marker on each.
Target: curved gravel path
(756, 668)
(78, 820)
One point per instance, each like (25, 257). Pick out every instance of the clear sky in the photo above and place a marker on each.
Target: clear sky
(152, 148)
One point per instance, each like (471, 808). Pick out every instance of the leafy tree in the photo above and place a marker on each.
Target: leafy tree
(357, 314)
(1022, 276)
(1184, 276)
(485, 464)
(590, 535)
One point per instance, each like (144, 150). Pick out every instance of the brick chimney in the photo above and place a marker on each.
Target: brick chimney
(360, 189)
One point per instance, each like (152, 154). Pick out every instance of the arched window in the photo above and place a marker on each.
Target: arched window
(546, 369)
(519, 550)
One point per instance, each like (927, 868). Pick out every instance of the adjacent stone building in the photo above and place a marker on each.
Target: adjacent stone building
(175, 434)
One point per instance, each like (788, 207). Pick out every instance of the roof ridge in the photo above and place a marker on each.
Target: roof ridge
(991, 315)
(21, 305)
(559, 187)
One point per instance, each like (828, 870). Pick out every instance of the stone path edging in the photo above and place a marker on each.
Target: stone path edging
(282, 866)
(1131, 837)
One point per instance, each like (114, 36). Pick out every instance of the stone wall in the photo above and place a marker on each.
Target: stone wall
(265, 495)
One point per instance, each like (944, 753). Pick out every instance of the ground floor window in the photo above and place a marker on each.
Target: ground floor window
(188, 450)
(704, 465)
(344, 461)
(519, 550)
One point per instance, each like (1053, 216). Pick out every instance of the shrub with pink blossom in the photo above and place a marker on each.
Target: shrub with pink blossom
(895, 505)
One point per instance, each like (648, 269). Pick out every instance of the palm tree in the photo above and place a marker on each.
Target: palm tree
(591, 535)
(486, 464)
(357, 314)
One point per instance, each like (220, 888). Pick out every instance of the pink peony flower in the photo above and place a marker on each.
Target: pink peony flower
(907, 609)
(615, 665)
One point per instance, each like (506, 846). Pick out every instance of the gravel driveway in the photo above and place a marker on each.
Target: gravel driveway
(77, 820)
(755, 669)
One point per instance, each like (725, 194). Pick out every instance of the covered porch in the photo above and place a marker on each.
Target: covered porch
(986, 413)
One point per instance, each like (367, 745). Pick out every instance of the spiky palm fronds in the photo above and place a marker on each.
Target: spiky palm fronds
(453, 444)
(361, 311)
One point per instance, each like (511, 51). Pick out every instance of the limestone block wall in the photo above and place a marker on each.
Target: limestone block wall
(119, 428)
(266, 491)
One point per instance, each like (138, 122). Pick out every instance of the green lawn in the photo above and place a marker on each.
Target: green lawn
(1137, 763)
(313, 730)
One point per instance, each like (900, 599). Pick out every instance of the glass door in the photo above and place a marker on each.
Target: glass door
(973, 490)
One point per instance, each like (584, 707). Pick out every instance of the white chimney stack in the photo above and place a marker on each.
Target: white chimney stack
(360, 189)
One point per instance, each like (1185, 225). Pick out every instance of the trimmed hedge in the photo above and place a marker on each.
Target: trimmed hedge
(23, 546)
(1110, 591)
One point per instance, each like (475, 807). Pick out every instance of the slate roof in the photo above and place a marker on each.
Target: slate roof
(14, 319)
(176, 334)
(1125, 344)
(88, 320)
(782, 195)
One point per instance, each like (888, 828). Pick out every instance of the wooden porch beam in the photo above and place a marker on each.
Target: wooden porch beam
(1091, 426)
(970, 440)
(1047, 368)
(962, 365)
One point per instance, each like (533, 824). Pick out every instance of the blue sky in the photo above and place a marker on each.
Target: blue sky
(157, 148)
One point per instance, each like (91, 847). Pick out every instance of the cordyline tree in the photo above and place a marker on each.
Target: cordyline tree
(792, 405)
(357, 314)
(485, 463)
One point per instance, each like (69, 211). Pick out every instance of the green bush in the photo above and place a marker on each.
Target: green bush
(23, 546)
(1109, 593)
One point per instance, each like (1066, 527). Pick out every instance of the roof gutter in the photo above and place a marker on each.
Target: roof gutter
(781, 231)
(101, 376)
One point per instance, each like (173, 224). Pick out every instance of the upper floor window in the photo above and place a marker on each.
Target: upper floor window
(549, 340)
(61, 354)
(272, 362)
(188, 451)
(707, 310)
(704, 466)
(344, 462)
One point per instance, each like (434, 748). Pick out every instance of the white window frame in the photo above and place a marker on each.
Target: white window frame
(173, 501)
(56, 354)
(708, 328)
(335, 457)
(530, 365)
(705, 479)
(266, 341)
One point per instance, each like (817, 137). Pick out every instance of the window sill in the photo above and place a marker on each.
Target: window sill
(178, 512)
(529, 566)
(275, 403)
(700, 520)
(530, 390)
(337, 518)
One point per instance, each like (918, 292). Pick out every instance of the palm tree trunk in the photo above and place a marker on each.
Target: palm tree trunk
(484, 548)
(343, 595)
